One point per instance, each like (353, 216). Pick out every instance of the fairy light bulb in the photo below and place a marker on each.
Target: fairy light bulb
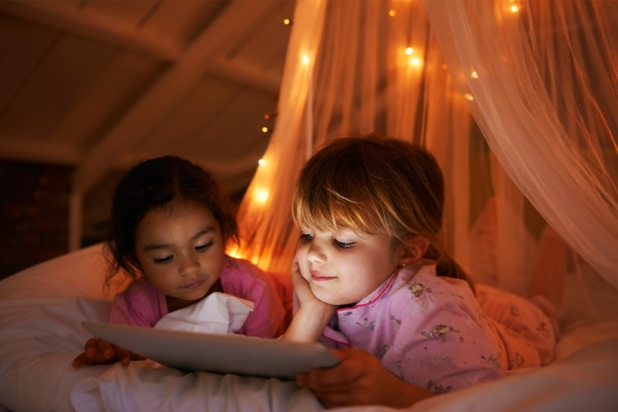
(392, 13)
(409, 51)
(415, 61)
(514, 9)
(305, 59)
(286, 22)
(475, 74)
(469, 96)
(262, 162)
(264, 129)
(261, 195)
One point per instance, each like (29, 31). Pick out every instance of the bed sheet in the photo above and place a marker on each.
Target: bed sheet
(41, 310)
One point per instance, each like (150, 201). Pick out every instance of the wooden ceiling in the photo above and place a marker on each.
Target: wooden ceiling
(100, 84)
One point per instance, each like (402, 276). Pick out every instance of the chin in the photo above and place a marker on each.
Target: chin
(326, 298)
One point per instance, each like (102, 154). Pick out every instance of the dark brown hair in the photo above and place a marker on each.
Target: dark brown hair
(154, 184)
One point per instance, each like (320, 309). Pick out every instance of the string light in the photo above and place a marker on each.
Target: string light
(392, 13)
(264, 129)
(514, 9)
(270, 116)
(305, 59)
(469, 96)
(475, 74)
(261, 162)
(261, 196)
(415, 61)
(287, 22)
(409, 51)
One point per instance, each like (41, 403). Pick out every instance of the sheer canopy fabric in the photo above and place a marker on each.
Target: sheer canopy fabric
(517, 101)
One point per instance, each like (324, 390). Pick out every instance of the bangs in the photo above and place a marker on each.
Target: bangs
(327, 210)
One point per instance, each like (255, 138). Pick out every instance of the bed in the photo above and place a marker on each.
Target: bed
(41, 310)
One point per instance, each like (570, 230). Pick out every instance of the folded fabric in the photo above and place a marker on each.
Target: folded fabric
(218, 313)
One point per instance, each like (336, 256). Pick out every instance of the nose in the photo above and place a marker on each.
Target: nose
(189, 265)
(315, 253)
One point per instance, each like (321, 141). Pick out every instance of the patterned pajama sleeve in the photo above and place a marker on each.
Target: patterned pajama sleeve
(442, 344)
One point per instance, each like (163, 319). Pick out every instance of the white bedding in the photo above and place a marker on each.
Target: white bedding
(40, 333)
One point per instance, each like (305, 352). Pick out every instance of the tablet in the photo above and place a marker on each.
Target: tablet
(237, 354)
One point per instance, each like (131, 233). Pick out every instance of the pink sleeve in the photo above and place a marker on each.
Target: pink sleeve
(446, 349)
(140, 305)
(268, 317)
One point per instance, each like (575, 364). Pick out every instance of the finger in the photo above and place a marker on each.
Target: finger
(79, 360)
(302, 379)
(123, 354)
(106, 349)
(90, 348)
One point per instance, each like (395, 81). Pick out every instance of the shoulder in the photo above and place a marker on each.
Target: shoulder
(417, 290)
(140, 304)
(241, 269)
(139, 289)
(242, 278)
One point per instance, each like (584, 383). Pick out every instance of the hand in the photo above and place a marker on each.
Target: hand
(305, 296)
(360, 379)
(102, 352)
(312, 315)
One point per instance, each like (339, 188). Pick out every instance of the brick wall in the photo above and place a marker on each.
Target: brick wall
(34, 210)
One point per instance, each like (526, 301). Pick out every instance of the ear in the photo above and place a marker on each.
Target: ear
(413, 251)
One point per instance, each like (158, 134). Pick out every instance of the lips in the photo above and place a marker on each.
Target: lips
(318, 277)
(194, 285)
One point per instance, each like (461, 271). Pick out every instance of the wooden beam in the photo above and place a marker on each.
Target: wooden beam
(62, 16)
(168, 91)
(35, 151)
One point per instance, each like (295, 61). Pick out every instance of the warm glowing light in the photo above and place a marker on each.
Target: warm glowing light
(305, 59)
(235, 253)
(409, 51)
(286, 21)
(261, 162)
(475, 75)
(261, 196)
(392, 13)
(415, 61)
(445, 66)
(469, 96)
(514, 9)
(264, 129)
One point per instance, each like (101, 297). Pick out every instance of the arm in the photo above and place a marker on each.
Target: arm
(312, 316)
(360, 379)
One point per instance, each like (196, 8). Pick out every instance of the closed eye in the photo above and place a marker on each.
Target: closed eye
(343, 245)
(306, 236)
(163, 260)
(204, 247)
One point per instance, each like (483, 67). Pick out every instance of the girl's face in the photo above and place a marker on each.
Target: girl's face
(344, 267)
(181, 253)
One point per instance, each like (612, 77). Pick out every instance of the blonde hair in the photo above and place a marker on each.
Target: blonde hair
(376, 185)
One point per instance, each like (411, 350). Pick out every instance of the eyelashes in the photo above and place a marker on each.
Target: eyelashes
(307, 237)
(200, 248)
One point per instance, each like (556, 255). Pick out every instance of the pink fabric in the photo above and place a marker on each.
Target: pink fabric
(427, 330)
(528, 328)
(142, 305)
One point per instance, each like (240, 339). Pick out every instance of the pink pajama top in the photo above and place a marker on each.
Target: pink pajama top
(143, 305)
(429, 331)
